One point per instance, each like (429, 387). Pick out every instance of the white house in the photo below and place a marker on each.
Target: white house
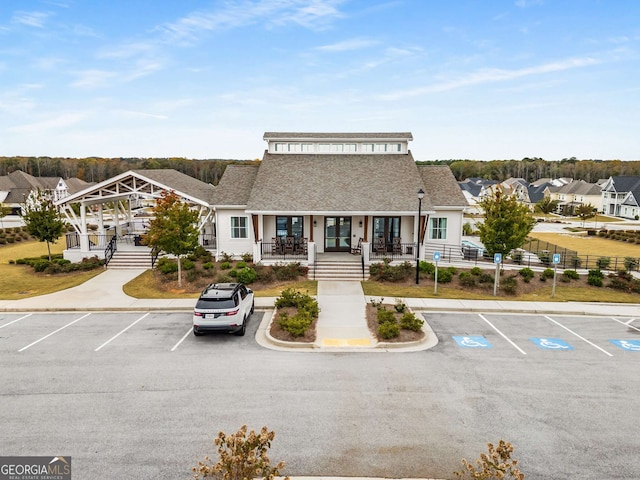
(621, 197)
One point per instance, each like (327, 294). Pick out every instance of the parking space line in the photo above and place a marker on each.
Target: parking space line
(17, 320)
(628, 324)
(55, 331)
(182, 339)
(502, 334)
(121, 332)
(579, 336)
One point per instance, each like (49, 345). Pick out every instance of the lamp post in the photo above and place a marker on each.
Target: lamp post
(420, 197)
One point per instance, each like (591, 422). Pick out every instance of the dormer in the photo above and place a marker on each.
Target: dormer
(337, 143)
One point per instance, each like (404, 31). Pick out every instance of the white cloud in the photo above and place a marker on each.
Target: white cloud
(60, 121)
(31, 19)
(93, 78)
(494, 75)
(348, 45)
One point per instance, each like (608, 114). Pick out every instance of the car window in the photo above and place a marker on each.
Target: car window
(217, 303)
(243, 292)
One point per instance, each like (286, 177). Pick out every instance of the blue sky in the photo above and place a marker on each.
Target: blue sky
(205, 79)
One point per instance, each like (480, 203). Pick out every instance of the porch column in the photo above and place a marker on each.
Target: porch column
(116, 219)
(84, 238)
(101, 221)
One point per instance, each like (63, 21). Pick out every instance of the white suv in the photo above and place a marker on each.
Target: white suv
(223, 307)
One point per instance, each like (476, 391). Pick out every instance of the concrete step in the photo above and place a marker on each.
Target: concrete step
(125, 260)
(335, 270)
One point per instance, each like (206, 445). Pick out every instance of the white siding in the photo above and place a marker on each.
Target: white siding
(226, 244)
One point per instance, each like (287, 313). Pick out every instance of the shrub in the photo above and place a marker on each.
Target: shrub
(510, 285)
(225, 257)
(233, 274)
(298, 324)
(410, 322)
(385, 316)
(225, 265)
(188, 264)
(445, 276)
(166, 266)
(595, 278)
(191, 275)
(390, 273)
(603, 263)
(476, 271)
(527, 274)
(485, 278)
(291, 297)
(388, 330)
(547, 273)
(453, 270)
(247, 275)
(209, 266)
(571, 274)
(630, 263)
(376, 303)
(497, 464)
(427, 267)
(467, 279)
(289, 271)
(400, 306)
(240, 265)
(263, 273)
(224, 278)
(247, 257)
(40, 265)
(618, 283)
(241, 457)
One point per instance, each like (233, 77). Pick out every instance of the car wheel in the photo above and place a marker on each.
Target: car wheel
(197, 334)
(243, 329)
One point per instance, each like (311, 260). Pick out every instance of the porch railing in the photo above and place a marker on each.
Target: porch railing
(402, 251)
(96, 241)
(208, 240)
(110, 250)
(275, 251)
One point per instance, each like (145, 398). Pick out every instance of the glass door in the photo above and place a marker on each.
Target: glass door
(337, 234)
(386, 228)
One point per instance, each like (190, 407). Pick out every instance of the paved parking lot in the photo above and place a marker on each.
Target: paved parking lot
(136, 395)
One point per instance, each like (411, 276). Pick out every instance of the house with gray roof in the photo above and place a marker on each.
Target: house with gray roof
(336, 193)
(621, 197)
(578, 192)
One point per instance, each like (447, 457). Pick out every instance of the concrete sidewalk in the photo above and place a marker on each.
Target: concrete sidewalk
(341, 326)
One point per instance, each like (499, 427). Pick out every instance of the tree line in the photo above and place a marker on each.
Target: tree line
(532, 169)
(97, 169)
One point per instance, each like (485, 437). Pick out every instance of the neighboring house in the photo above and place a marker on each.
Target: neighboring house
(621, 197)
(322, 192)
(18, 186)
(574, 194)
(474, 190)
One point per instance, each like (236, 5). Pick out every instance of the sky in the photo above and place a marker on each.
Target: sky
(482, 79)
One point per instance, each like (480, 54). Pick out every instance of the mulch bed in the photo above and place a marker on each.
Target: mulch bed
(279, 333)
(405, 335)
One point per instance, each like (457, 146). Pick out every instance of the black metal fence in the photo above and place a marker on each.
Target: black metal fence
(277, 251)
(96, 241)
(393, 251)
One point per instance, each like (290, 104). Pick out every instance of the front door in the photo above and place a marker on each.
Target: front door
(386, 228)
(337, 234)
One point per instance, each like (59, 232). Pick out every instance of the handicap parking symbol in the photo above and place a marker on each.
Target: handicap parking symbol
(552, 343)
(628, 345)
(472, 342)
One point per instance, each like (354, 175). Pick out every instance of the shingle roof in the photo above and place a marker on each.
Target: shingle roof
(441, 186)
(473, 188)
(626, 183)
(536, 192)
(180, 182)
(337, 183)
(342, 136)
(580, 187)
(235, 185)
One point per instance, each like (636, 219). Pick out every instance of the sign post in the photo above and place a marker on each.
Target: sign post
(497, 259)
(436, 259)
(555, 260)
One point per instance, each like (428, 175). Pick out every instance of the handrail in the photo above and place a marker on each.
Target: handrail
(110, 250)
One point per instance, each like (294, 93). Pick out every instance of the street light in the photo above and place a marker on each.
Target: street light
(420, 197)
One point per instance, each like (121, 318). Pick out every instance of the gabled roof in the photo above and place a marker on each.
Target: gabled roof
(536, 192)
(235, 185)
(580, 187)
(342, 136)
(317, 183)
(441, 186)
(473, 188)
(180, 182)
(626, 183)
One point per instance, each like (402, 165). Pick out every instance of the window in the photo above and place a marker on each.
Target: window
(281, 147)
(306, 147)
(380, 147)
(239, 227)
(438, 230)
(350, 147)
(367, 147)
(289, 227)
(337, 147)
(324, 147)
(294, 147)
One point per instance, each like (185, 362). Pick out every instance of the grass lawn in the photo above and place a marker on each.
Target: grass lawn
(19, 281)
(586, 245)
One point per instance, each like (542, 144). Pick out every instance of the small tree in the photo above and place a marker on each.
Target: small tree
(242, 457)
(173, 229)
(42, 219)
(506, 224)
(585, 211)
(546, 206)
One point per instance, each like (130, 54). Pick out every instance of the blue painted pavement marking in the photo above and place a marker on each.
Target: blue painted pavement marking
(472, 342)
(552, 343)
(628, 345)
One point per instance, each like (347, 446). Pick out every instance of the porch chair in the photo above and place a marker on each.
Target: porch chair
(303, 247)
(289, 245)
(358, 248)
(380, 246)
(397, 245)
(275, 245)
